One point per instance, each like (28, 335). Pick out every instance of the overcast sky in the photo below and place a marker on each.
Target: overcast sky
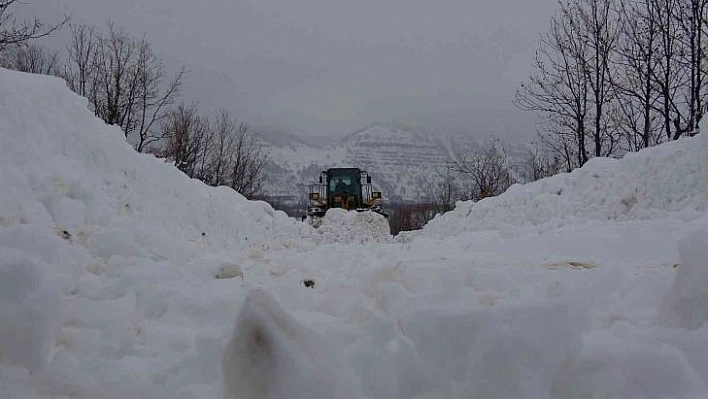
(335, 66)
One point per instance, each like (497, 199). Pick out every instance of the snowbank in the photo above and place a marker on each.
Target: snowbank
(645, 185)
(64, 168)
(89, 229)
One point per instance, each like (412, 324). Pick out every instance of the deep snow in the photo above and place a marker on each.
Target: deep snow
(122, 278)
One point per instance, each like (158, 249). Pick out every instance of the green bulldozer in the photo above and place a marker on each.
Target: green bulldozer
(345, 188)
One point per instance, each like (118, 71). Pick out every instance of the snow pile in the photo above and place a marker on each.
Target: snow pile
(271, 355)
(92, 237)
(643, 185)
(342, 226)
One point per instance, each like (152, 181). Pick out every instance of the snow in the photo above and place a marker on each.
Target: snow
(686, 303)
(29, 312)
(339, 225)
(271, 355)
(651, 184)
(122, 278)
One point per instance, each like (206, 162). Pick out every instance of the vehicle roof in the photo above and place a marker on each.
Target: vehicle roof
(347, 170)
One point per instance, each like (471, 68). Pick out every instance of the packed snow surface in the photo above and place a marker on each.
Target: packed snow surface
(122, 278)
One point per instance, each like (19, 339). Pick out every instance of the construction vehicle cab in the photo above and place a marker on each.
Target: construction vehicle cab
(346, 188)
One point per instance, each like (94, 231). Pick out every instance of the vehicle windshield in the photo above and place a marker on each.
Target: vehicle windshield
(344, 182)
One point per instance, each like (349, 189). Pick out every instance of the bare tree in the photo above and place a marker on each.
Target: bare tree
(691, 17)
(572, 84)
(154, 95)
(668, 76)
(637, 60)
(30, 58)
(81, 73)
(250, 157)
(599, 28)
(623, 74)
(489, 171)
(218, 153)
(13, 32)
(224, 131)
(539, 165)
(186, 139)
(446, 189)
(124, 80)
(559, 89)
(117, 84)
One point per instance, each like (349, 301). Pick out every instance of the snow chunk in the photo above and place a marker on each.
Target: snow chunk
(510, 352)
(229, 270)
(271, 355)
(686, 303)
(342, 226)
(29, 312)
(619, 366)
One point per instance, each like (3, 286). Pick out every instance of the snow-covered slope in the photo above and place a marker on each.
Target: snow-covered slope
(67, 169)
(407, 162)
(121, 278)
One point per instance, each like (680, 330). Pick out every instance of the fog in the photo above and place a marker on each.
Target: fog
(332, 67)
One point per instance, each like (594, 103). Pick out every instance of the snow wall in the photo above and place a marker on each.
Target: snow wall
(75, 197)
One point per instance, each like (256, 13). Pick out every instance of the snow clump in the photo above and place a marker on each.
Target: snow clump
(271, 355)
(686, 303)
(342, 226)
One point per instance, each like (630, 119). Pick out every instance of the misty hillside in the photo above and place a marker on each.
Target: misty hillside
(403, 163)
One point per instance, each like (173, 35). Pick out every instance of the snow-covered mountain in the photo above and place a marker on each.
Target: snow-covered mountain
(403, 162)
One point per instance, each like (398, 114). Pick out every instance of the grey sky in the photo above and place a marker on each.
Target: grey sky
(335, 66)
